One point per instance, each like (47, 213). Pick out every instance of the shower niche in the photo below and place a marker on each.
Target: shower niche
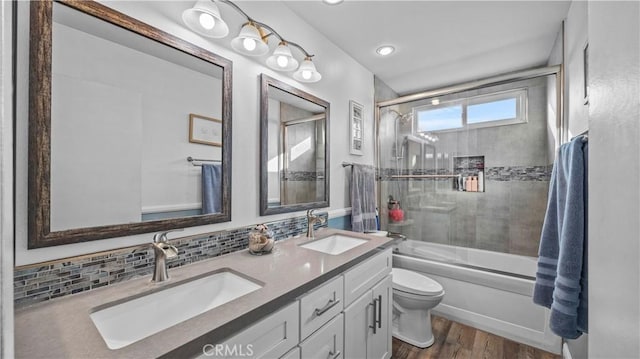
(470, 174)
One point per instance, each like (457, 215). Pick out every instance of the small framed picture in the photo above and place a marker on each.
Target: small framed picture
(356, 122)
(205, 130)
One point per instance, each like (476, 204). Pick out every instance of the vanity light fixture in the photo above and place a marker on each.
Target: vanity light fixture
(385, 50)
(204, 18)
(307, 72)
(251, 41)
(282, 59)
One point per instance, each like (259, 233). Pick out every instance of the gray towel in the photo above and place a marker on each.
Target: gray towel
(211, 188)
(561, 279)
(363, 199)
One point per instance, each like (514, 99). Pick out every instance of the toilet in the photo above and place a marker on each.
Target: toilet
(414, 295)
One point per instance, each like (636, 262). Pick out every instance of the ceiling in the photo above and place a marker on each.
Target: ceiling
(439, 43)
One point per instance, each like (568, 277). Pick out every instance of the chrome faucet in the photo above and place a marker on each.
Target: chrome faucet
(399, 236)
(311, 220)
(162, 251)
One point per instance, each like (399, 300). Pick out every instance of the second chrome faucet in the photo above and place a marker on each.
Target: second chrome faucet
(311, 220)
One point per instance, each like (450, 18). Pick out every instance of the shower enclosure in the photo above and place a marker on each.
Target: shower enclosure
(469, 167)
(470, 164)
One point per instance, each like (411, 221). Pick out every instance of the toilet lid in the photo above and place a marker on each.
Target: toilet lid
(416, 283)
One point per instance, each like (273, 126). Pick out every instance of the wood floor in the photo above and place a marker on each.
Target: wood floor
(459, 341)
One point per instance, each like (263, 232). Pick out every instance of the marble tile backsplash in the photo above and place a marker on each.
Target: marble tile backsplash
(44, 281)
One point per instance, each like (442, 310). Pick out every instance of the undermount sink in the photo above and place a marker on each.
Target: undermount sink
(126, 323)
(335, 244)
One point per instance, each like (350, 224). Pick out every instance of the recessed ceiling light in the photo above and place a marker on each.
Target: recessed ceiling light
(385, 50)
(332, 2)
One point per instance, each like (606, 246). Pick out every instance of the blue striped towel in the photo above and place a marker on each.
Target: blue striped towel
(561, 279)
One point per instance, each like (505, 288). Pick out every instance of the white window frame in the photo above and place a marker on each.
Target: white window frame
(521, 95)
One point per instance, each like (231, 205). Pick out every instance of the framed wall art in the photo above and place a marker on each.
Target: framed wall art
(356, 139)
(205, 130)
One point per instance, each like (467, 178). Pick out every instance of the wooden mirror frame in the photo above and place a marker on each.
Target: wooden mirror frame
(39, 202)
(265, 82)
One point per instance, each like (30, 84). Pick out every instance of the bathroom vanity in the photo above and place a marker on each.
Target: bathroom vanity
(300, 303)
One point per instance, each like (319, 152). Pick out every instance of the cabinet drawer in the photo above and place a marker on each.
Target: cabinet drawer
(271, 337)
(362, 277)
(327, 342)
(292, 354)
(320, 305)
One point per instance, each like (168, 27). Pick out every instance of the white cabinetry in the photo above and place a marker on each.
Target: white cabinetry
(367, 320)
(348, 317)
(320, 305)
(327, 342)
(292, 354)
(271, 337)
(361, 278)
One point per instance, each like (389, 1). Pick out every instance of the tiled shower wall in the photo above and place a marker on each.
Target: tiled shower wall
(508, 216)
(44, 281)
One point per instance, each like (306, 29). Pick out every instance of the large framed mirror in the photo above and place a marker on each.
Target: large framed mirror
(116, 107)
(294, 149)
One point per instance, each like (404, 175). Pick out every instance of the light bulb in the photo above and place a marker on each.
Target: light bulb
(282, 61)
(249, 44)
(306, 74)
(207, 21)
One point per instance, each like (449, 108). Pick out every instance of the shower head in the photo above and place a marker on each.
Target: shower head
(403, 117)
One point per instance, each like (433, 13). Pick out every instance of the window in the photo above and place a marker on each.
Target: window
(504, 108)
(442, 118)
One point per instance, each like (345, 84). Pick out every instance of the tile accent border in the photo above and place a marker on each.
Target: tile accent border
(303, 176)
(510, 173)
(43, 281)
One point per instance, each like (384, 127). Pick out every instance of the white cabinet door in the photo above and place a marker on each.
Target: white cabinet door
(358, 317)
(327, 342)
(367, 324)
(379, 343)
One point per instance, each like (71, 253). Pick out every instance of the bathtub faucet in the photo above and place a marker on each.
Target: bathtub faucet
(399, 236)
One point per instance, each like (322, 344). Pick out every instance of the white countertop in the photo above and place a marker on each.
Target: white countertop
(62, 328)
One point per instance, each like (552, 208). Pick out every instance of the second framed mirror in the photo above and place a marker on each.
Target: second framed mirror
(294, 149)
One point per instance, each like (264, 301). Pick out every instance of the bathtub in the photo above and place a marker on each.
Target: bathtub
(487, 290)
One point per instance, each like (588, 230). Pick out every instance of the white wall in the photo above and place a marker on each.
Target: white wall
(575, 110)
(343, 80)
(614, 185)
(575, 39)
(6, 183)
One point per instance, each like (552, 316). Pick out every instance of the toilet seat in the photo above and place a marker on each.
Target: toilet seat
(415, 283)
